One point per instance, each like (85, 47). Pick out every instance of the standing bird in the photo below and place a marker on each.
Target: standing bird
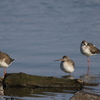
(67, 65)
(88, 49)
(5, 61)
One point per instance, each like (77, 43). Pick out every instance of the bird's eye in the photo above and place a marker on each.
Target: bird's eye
(83, 44)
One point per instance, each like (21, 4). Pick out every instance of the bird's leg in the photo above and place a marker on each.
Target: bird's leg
(88, 71)
(88, 59)
(4, 71)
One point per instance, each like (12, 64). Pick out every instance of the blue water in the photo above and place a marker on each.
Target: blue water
(37, 32)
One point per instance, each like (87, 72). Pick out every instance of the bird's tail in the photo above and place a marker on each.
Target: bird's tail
(12, 60)
(98, 51)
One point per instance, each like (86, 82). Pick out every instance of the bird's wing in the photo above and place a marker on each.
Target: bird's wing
(93, 48)
(8, 60)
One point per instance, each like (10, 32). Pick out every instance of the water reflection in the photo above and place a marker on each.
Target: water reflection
(12, 93)
(1, 89)
(68, 77)
(94, 78)
(94, 90)
(37, 92)
(18, 93)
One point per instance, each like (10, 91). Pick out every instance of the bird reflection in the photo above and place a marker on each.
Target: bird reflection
(95, 78)
(68, 77)
(1, 90)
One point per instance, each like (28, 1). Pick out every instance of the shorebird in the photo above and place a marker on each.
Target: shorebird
(5, 61)
(67, 65)
(88, 49)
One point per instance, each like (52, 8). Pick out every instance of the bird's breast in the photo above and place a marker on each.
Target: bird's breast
(67, 67)
(3, 64)
(86, 51)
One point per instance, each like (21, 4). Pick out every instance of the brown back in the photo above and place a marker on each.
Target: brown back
(8, 60)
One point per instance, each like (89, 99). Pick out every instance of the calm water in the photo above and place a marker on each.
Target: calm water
(37, 32)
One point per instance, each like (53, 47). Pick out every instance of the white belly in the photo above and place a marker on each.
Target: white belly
(3, 64)
(86, 51)
(66, 67)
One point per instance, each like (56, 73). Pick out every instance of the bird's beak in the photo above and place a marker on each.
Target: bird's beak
(59, 60)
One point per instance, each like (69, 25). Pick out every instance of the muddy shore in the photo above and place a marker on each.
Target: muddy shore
(79, 95)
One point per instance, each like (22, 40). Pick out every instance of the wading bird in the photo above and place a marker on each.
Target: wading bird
(88, 49)
(5, 61)
(67, 65)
